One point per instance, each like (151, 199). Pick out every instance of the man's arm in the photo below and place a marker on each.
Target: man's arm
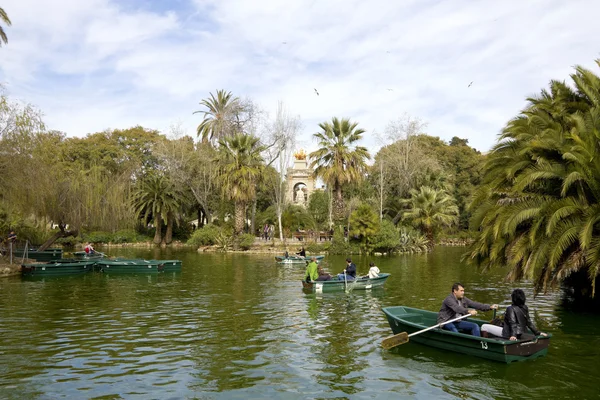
(477, 306)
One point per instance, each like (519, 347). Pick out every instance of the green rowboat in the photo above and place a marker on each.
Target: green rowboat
(409, 320)
(335, 285)
(296, 259)
(58, 268)
(137, 266)
(46, 255)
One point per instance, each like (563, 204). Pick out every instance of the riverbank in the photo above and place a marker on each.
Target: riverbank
(8, 269)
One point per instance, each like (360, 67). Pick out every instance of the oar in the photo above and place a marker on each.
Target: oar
(402, 337)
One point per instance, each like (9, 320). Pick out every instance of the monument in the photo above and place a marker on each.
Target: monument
(300, 180)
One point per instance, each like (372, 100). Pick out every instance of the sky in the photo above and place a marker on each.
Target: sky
(465, 67)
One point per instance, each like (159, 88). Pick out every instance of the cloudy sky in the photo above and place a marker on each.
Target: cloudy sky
(97, 64)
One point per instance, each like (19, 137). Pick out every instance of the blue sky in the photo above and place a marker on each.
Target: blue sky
(98, 64)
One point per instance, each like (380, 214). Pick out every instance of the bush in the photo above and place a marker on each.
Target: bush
(246, 241)
(205, 236)
(126, 236)
(97, 237)
(316, 248)
(339, 245)
(387, 237)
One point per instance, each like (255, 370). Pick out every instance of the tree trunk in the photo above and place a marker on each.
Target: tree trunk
(240, 217)
(158, 227)
(57, 235)
(253, 218)
(430, 238)
(338, 204)
(169, 233)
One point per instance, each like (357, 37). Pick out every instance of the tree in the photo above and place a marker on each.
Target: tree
(192, 166)
(338, 161)
(240, 164)
(538, 208)
(283, 133)
(364, 223)
(156, 196)
(429, 210)
(4, 18)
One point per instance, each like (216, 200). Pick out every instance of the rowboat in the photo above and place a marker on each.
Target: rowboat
(137, 265)
(409, 320)
(334, 285)
(296, 259)
(46, 255)
(73, 267)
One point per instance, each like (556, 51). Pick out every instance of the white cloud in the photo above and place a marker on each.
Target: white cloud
(97, 64)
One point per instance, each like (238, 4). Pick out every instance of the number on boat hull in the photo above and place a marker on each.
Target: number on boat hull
(483, 345)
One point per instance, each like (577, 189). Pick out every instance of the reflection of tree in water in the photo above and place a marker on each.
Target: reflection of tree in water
(338, 333)
(231, 337)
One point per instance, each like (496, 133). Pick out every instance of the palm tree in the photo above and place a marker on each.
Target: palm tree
(539, 205)
(241, 164)
(157, 196)
(219, 118)
(429, 210)
(4, 18)
(336, 161)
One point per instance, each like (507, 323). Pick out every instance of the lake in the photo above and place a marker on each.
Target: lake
(240, 326)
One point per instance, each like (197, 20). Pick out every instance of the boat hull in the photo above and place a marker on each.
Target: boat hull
(61, 268)
(129, 266)
(335, 285)
(46, 255)
(410, 320)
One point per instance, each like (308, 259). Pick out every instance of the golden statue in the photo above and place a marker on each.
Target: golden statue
(300, 155)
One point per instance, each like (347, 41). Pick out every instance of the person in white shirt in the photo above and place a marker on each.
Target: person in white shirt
(373, 271)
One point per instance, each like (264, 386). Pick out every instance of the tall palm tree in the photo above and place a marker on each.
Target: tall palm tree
(338, 160)
(429, 210)
(157, 196)
(241, 164)
(4, 18)
(219, 116)
(539, 206)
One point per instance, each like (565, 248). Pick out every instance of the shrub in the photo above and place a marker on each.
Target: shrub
(97, 237)
(387, 237)
(125, 236)
(205, 236)
(246, 241)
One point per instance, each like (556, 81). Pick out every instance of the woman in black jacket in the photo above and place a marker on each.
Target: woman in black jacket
(516, 320)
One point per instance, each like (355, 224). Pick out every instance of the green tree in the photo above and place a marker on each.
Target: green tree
(429, 210)
(539, 206)
(364, 222)
(219, 117)
(241, 164)
(156, 196)
(338, 161)
(4, 18)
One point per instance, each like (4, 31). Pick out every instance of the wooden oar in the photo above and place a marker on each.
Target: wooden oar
(402, 337)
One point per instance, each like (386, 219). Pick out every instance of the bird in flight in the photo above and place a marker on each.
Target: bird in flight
(283, 42)
(316, 92)
(470, 84)
(390, 90)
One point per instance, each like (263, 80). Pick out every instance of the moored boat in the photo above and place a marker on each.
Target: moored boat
(136, 266)
(335, 285)
(73, 267)
(410, 320)
(296, 259)
(46, 255)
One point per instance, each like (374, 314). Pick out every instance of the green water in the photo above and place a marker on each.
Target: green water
(239, 326)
